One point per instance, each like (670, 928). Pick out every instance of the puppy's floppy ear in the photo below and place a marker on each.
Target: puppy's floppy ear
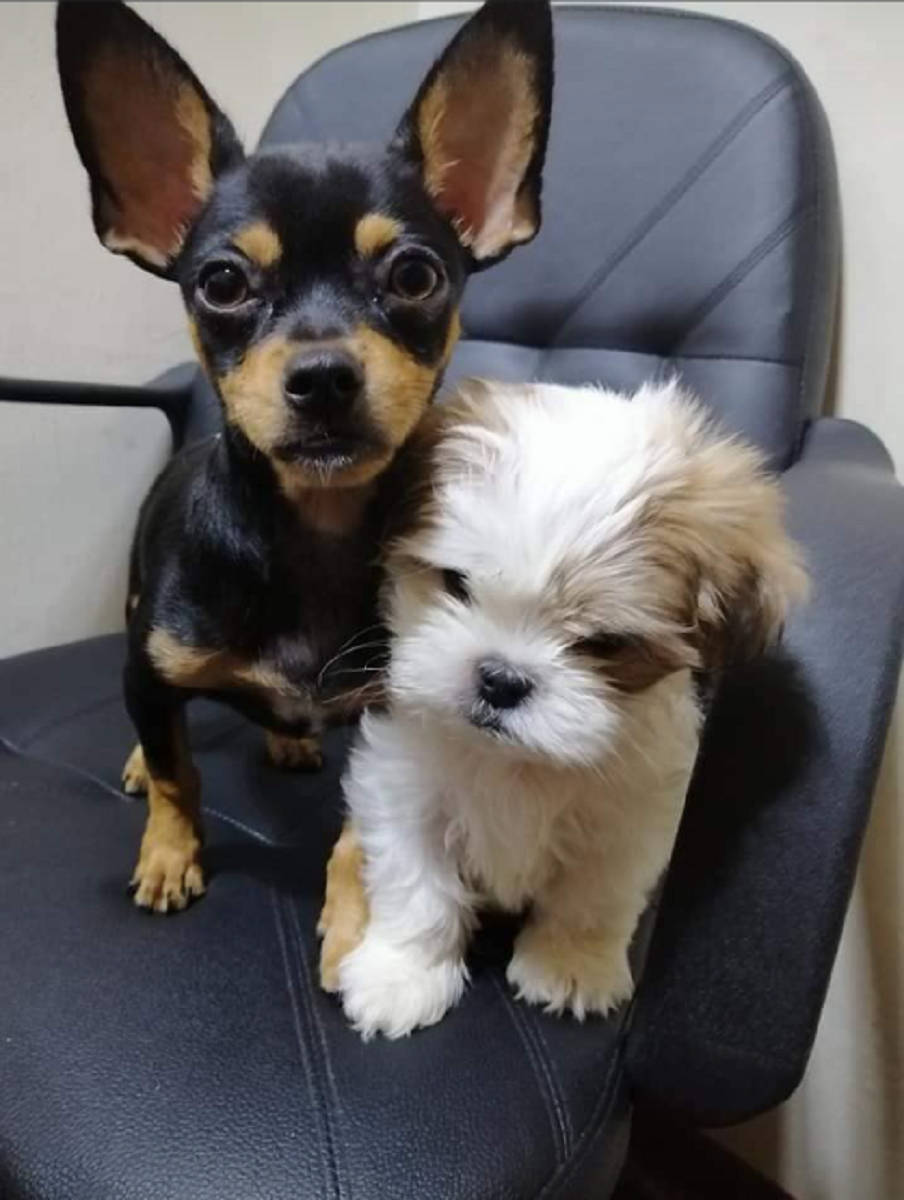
(478, 127)
(149, 136)
(749, 570)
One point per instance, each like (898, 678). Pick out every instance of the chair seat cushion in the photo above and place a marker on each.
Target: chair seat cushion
(194, 1055)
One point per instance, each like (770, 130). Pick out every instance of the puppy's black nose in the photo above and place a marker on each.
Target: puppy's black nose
(330, 380)
(500, 685)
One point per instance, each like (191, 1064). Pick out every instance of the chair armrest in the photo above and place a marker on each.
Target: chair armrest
(171, 392)
(755, 897)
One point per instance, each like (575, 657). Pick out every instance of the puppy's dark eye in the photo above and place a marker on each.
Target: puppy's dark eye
(456, 585)
(603, 645)
(223, 285)
(413, 277)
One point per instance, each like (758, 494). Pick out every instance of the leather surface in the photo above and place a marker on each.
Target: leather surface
(690, 225)
(194, 1055)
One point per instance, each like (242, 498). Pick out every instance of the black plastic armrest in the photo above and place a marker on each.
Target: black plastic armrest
(170, 392)
(755, 897)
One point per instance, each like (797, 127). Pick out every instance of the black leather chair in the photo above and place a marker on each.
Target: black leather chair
(690, 225)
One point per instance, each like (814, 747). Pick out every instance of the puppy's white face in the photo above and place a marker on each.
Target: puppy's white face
(577, 546)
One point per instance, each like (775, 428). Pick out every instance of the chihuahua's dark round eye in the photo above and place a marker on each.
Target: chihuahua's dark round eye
(456, 585)
(223, 285)
(413, 277)
(603, 645)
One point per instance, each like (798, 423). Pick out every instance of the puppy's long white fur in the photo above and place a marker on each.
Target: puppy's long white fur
(573, 515)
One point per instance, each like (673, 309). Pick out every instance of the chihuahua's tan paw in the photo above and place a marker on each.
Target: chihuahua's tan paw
(578, 972)
(135, 772)
(168, 874)
(345, 912)
(294, 753)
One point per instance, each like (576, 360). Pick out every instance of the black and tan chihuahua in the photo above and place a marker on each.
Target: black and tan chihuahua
(322, 288)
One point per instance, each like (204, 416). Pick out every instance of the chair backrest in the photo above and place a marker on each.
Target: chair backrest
(690, 211)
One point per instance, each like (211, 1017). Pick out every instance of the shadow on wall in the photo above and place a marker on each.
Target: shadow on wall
(881, 892)
(830, 406)
(842, 1134)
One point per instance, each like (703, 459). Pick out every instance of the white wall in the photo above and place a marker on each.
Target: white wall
(842, 1135)
(71, 481)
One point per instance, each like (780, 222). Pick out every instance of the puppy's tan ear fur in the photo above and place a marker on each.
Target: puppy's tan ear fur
(750, 570)
(725, 514)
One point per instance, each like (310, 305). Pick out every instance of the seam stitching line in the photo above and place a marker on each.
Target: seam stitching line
(315, 1023)
(739, 273)
(67, 717)
(548, 1092)
(670, 199)
(596, 1124)
(532, 1019)
(304, 1049)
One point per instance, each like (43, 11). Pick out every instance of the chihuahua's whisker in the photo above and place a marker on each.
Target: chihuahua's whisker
(351, 640)
(360, 671)
(342, 654)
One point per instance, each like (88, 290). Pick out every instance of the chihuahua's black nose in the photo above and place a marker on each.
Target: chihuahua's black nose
(323, 379)
(500, 685)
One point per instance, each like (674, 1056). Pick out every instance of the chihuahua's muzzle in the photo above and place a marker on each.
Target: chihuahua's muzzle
(327, 422)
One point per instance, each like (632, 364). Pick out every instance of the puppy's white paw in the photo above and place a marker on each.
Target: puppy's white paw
(391, 990)
(562, 970)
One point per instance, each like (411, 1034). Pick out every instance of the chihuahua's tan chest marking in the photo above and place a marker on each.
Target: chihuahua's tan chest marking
(190, 666)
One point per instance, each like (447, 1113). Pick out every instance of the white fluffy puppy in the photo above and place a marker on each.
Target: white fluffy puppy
(578, 554)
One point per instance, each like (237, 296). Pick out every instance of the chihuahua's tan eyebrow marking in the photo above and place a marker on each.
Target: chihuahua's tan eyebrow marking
(260, 242)
(374, 232)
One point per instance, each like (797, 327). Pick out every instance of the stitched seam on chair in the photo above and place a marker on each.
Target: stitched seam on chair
(79, 772)
(751, 358)
(671, 198)
(525, 1017)
(253, 833)
(639, 353)
(739, 273)
(817, 204)
(547, 1087)
(596, 1124)
(327, 1166)
(58, 722)
(549, 1062)
(317, 1024)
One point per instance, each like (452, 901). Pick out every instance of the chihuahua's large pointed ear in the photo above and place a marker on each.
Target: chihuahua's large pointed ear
(151, 139)
(478, 127)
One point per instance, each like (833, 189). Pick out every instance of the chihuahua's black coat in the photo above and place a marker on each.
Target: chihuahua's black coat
(322, 287)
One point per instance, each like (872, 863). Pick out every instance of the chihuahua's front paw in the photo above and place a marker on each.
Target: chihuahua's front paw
(294, 753)
(135, 773)
(394, 991)
(562, 970)
(168, 874)
(343, 918)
